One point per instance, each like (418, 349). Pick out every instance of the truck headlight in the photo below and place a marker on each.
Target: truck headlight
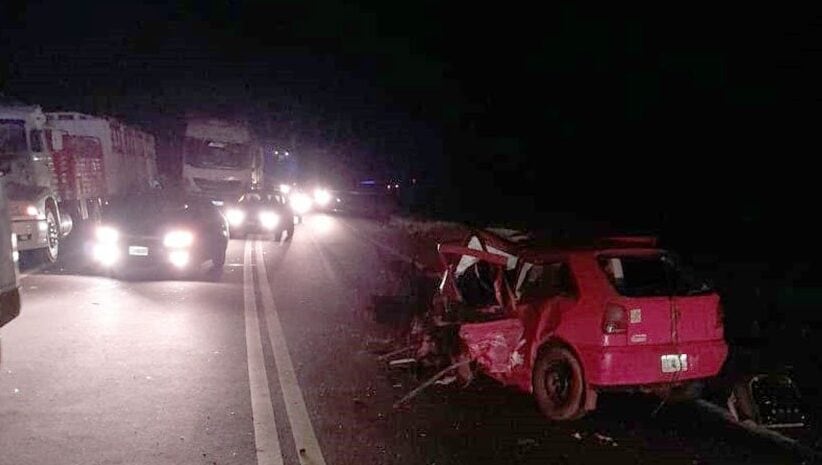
(322, 197)
(269, 220)
(235, 216)
(300, 202)
(178, 239)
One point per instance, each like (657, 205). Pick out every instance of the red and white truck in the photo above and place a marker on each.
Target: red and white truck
(59, 167)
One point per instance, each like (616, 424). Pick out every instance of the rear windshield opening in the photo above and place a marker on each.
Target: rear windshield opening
(652, 275)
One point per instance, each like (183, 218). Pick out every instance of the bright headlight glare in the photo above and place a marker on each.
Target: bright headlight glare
(300, 202)
(322, 197)
(31, 210)
(269, 219)
(105, 253)
(235, 216)
(178, 239)
(179, 258)
(107, 234)
(285, 188)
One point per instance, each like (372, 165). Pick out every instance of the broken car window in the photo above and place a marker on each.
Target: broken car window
(546, 280)
(476, 285)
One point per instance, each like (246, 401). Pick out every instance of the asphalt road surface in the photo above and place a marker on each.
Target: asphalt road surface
(271, 363)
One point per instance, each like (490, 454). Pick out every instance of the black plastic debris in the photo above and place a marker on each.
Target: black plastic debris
(770, 400)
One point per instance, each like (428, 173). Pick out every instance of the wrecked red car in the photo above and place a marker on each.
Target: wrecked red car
(566, 322)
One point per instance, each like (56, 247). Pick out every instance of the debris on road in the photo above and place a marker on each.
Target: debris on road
(769, 400)
(402, 363)
(605, 439)
(394, 353)
(430, 381)
(446, 381)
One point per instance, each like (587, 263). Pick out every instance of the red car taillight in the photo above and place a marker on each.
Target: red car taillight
(615, 320)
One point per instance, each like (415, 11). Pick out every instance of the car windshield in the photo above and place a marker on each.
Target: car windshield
(141, 208)
(651, 275)
(12, 136)
(212, 154)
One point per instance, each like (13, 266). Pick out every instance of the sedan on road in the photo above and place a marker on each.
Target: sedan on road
(158, 230)
(263, 213)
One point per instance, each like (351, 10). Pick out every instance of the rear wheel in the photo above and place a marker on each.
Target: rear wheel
(52, 249)
(559, 385)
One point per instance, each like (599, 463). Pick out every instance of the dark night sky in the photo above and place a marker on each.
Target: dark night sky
(614, 112)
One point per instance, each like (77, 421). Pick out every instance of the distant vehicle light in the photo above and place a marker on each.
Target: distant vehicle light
(179, 258)
(107, 234)
(217, 203)
(285, 188)
(235, 217)
(31, 210)
(322, 197)
(269, 220)
(300, 202)
(178, 239)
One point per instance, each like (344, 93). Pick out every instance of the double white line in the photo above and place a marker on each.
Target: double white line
(269, 451)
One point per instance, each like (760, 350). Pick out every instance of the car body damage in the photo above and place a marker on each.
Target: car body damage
(563, 323)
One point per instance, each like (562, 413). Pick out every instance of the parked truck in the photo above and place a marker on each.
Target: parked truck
(100, 157)
(60, 167)
(221, 159)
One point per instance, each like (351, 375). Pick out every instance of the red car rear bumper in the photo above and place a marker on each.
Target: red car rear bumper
(638, 365)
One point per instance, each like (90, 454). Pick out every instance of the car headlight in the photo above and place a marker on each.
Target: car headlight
(107, 234)
(178, 239)
(31, 210)
(269, 220)
(300, 202)
(322, 197)
(235, 216)
(285, 188)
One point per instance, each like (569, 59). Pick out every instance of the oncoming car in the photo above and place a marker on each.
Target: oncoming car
(158, 230)
(262, 213)
(567, 323)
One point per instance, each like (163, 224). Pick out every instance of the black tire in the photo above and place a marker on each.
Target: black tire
(49, 253)
(559, 384)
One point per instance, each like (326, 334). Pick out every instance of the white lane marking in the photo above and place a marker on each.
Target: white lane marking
(265, 426)
(390, 250)
(308, 448)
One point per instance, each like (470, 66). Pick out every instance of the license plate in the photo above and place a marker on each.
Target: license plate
(137, 250)
(673, 363)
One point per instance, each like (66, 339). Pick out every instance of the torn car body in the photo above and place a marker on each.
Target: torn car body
(564, 323)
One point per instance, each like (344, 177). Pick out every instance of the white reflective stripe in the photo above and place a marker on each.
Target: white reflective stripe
(266, 440)
(304, 437)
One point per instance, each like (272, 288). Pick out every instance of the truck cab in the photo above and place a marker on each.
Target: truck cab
(26, 167)
(221, 159)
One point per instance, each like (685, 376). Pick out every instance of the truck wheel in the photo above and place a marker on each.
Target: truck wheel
(559, 385)
(49, 253)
